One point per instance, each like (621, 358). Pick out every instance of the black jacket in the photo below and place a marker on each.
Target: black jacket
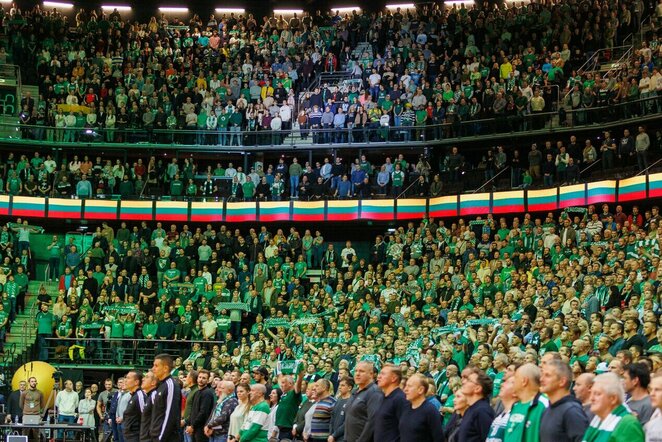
(166, 411)
(132, 416)
(563, 421)
(360, 412)
(146, 421)
(202, 407)
(475, 425)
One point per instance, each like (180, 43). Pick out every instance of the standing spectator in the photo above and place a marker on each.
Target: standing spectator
(636, 378)
(45, 322)
(325, 403)
(535, 162)
(203, 404)
(131, 419)
(565, 419)
(166, 406)
(641, 145)
(14, 410)
(363, 405)
(507, 398)
(219, 422)
(84, 188)
(613, 421)
(295, 171)
(476, 422)
(389, 414)
(654, 425)
(524, 421)
(148, 386)
(256, 425)
(66, 403)
(420, 421)
(345, 387)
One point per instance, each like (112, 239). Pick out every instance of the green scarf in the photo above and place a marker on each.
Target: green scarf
(601, 430)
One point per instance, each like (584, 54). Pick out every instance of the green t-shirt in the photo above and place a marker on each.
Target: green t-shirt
(45, 323)
(524, 422)
(287, 409)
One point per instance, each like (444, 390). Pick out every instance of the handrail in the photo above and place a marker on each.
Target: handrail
(648, 168)
(590, 166)
(492, 179)
(259, 139)
(407, 189)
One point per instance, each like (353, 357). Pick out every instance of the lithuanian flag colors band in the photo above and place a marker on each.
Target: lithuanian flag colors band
(532, 200)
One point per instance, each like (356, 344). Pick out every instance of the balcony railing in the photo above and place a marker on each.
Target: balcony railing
(314, 137)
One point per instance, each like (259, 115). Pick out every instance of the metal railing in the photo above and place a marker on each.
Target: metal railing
(491, 179)
(302, 137)
(119, 351)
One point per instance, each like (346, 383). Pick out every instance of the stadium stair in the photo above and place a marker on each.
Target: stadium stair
(21, 339)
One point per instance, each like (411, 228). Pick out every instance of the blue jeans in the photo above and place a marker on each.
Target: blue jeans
(294, 185)
(43, 350)
(223, 438)
(65, 420)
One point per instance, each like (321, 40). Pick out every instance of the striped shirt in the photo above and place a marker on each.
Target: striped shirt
(256, 425)
(321, 424)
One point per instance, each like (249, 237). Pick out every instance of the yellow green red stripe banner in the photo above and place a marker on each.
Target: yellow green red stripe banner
(64, 208)
(409, 208)
(378, 209)
(508, 202)
(206, 212)
(27, 206)
(474, 204)
(601, 192)
(274, 211)
(542, 200)
(4, 204)
(655, 185)
(240, 212)
(342, 210)
(631, 189)
(137, 210)
(99, 209)
(570, 196)
(443, 206)
(308, 210)
(172, 211)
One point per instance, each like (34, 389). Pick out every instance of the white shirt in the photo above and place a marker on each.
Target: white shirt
(285, 113)
(654, 427)
(374, 79)
(67, 402)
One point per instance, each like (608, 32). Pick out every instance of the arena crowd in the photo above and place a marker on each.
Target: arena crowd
(450, 308)
(230, 76)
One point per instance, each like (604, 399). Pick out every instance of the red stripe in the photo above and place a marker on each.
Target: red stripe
(443, 213)
(542, 207)
(602, 198)
(571, 202)
(376, 215)
(206, 218)
(508, 209)
(409, 215)
(306, 217)
(474, 210)
(240, 218)
(62, 214)
(654, 193)
(136, 216)
(30, 212)
(98, 215)
(171, 217)
(341, 217)
(631, 196)
(275, 217)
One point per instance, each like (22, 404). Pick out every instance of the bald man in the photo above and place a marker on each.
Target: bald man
(582, 390)
(363, 405)
(256, 425)
(420, 421)
(524, 422)
(148, 387)
(219, 421)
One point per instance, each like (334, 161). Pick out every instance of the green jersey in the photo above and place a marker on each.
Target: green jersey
(524, 422)
(256, 425)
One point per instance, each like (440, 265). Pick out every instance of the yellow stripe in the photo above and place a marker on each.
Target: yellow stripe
(517, 194)
(61, 202)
